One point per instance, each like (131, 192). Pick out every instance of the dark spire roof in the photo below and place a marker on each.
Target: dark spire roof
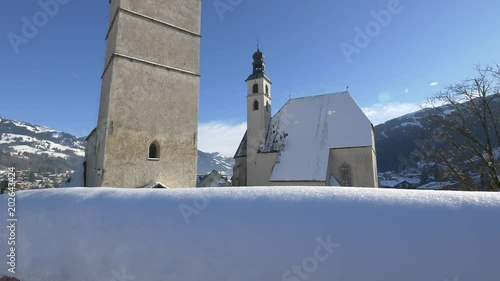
(259, 65)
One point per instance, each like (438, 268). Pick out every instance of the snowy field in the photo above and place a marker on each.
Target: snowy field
(254, 234)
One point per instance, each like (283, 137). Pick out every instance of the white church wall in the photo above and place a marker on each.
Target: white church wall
(260, 169)
(361, 161)
(262, 86)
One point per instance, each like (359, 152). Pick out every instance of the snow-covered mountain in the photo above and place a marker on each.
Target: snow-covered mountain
(24, 145)
(398, 138)
(207, 162)
(27, 146)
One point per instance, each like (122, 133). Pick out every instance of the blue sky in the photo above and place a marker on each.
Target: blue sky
(54, 78)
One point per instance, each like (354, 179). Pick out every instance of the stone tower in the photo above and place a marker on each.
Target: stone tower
(148, 115)
(258, 110)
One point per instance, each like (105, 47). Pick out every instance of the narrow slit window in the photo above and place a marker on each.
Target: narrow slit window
(154, 151)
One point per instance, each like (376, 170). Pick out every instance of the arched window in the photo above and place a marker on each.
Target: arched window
(345, 172)
(267, 107)
(255, 105)
(154, 151)
(267, 90)
(255, 88)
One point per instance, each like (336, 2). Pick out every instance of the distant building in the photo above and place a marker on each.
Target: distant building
(148, 113)
(397, 184)
(323, 140)
(213, 179)
(440, 186)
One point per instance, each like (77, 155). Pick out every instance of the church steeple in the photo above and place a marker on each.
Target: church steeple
(259, 65)
(258, 114)
(258, 61)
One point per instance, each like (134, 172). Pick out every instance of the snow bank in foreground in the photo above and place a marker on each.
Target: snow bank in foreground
(253, 234)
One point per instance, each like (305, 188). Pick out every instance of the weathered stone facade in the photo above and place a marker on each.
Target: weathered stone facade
(149, 95)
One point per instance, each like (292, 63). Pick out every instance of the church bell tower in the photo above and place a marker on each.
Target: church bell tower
(148, 114)
(258, 106)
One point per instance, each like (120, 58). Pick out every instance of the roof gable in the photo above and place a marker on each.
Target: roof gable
(242, 148)
(305, 130)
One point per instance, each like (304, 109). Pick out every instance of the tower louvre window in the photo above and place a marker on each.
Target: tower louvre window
(154, 151)
(255, 105)
(255, 88)
(267, 90)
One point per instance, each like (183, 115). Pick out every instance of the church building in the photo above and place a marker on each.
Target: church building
(323, 140)
(148, 113)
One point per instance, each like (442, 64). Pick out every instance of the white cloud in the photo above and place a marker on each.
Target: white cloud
(220, 137)
(434, 84)
(379, 113)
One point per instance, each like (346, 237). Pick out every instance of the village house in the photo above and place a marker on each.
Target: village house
(213, 179)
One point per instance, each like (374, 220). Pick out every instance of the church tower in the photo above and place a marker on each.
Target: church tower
(258, 110)
(148, 114)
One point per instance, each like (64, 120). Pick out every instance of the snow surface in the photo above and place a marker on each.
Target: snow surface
(241, 234)
(313, 126)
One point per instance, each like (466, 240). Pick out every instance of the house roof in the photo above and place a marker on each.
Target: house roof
(304, 131)
(155, 185)
(91, 133)
(437, 185)
(392, 183)
(242, 148)
(217, 179)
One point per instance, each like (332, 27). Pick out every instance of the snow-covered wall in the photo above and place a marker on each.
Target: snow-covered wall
(295, 234)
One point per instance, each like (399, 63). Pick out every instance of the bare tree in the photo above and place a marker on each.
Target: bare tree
(468, 115)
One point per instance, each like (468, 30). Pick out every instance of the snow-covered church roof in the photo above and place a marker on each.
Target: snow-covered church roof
(304, 131)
